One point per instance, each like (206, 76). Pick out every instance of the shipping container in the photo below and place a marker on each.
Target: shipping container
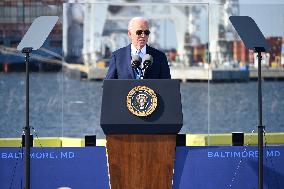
(275, 48)
(240, 52)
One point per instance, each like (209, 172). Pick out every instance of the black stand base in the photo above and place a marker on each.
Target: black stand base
(260, 156)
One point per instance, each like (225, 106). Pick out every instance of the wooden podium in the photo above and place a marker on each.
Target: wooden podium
(141, 150)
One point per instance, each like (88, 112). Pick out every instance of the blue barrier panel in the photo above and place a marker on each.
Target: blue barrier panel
(52, 168)
(230, 167)
(195, 168)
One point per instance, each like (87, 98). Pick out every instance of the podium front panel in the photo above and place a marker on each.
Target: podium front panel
(117, 119)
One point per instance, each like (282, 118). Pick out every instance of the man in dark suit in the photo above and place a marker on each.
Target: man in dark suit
(120, 63)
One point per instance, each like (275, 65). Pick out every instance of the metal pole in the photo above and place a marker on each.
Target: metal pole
(27, 126)
(260, 126)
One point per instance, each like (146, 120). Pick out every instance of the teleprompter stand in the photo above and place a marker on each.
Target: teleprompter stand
(254, 39)
(33, 40)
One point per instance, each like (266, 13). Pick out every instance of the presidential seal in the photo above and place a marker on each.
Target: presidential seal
(141, 101)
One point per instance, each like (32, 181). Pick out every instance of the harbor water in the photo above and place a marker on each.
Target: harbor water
(61, 106)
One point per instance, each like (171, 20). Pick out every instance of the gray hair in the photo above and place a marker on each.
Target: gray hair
(135, 19)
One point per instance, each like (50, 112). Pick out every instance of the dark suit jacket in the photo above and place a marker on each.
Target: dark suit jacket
(120, 65)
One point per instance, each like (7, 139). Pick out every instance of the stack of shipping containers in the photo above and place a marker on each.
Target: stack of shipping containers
(275, 51)
(240, 53)
(245, 56)
(199, 53)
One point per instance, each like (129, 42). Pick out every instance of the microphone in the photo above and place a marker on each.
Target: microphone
(147, 61)
(135, 63)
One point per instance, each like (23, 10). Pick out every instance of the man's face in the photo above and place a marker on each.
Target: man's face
(137, 40)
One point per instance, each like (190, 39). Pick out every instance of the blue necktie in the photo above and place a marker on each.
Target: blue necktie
(139, 53)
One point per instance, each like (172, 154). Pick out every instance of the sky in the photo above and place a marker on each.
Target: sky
(268, 16)
(261, 2)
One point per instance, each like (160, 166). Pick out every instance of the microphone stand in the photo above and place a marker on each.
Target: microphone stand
(261, 128)
(27, 51)
(141, 73)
